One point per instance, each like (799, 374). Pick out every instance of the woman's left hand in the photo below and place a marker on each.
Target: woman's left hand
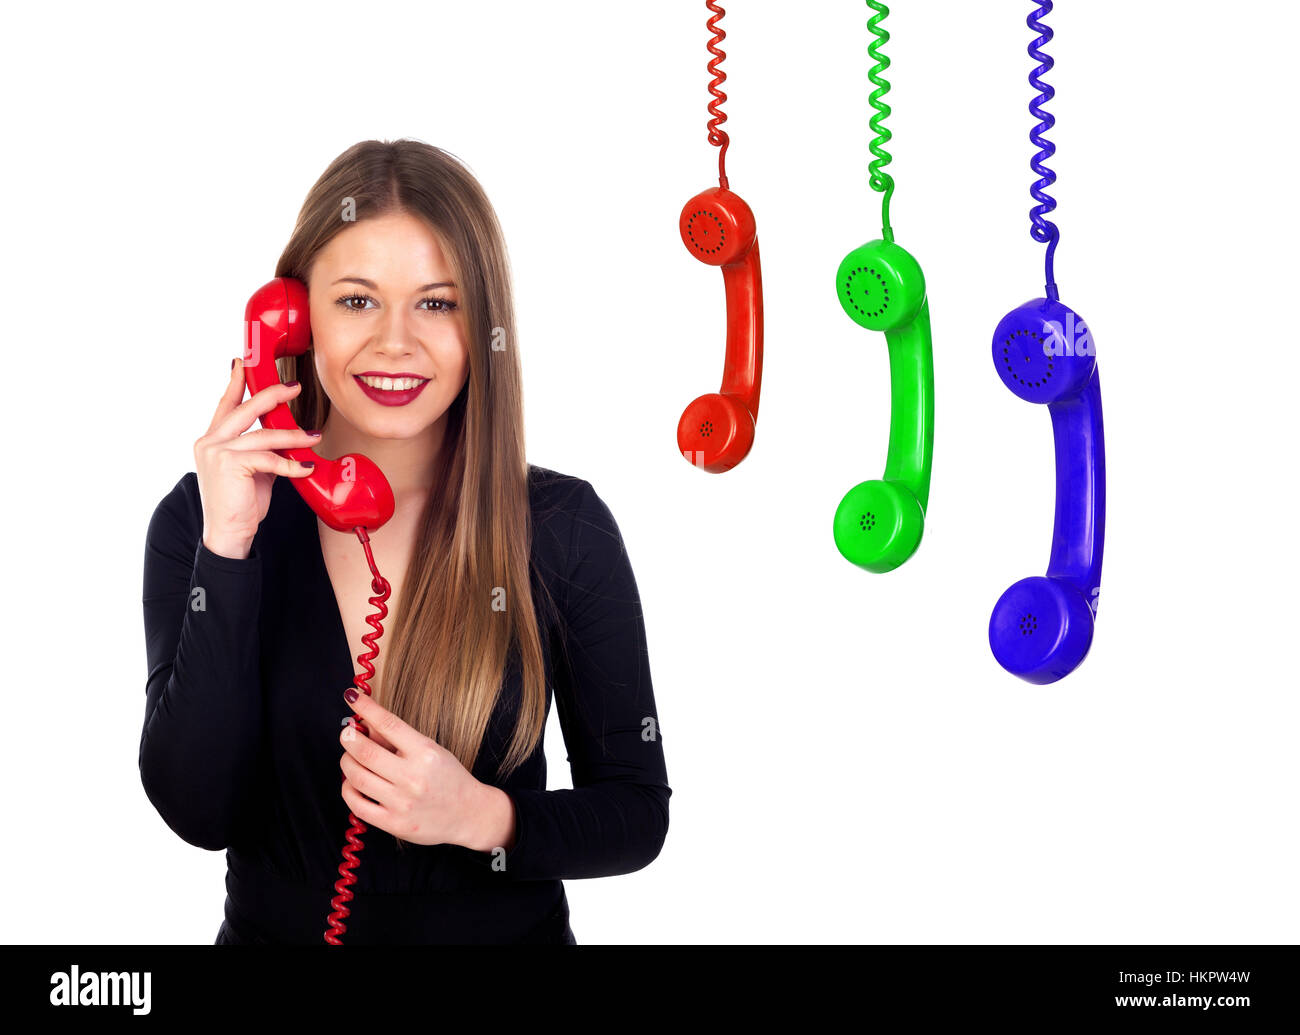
(421, 792)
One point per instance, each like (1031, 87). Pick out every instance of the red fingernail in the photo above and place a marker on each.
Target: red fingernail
(290, 384)
(349, 695)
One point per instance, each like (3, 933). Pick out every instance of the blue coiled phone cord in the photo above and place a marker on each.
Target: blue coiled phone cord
(1042, 230)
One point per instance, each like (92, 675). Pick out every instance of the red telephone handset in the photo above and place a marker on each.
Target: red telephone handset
(349, 492)
(716, 431)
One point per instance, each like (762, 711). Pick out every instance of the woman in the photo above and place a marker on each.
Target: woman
(508, 581)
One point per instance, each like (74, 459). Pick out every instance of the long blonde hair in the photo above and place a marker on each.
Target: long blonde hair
(446, 655)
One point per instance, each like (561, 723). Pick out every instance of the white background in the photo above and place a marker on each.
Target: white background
(848, 761)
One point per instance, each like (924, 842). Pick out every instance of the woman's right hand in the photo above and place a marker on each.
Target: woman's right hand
(236, 467)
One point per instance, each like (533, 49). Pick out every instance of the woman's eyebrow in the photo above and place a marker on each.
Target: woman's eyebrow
(375, 287)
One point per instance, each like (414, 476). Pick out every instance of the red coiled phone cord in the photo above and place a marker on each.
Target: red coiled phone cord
(380, 587)
(717, 136)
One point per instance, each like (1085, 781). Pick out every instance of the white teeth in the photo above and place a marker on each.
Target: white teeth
(394, 384)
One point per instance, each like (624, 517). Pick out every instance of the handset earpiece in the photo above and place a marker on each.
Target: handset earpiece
(346, 493)
(716, 431)
(879, 523)
(1041, 627)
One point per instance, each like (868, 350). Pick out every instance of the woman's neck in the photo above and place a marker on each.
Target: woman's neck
(409, 464)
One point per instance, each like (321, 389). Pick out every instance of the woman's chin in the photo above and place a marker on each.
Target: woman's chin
(400, 423)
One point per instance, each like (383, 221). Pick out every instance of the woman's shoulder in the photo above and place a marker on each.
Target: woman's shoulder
(571, 521)
(564, 498)
(550, 490)
(181, 509)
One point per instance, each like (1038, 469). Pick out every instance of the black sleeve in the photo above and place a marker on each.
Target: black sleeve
(203, 713)
(615, 818)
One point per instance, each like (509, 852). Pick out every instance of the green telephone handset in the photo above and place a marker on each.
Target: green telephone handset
(878, 524)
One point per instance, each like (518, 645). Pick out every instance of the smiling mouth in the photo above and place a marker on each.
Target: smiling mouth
(392, 384)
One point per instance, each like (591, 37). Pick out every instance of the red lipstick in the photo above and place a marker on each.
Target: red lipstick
(390, 397)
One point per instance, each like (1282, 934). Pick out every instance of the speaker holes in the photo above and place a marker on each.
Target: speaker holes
(706, 428)
(867, 521)
(702, 235)
(1006, 358)
(1028, 624)
(881, 298)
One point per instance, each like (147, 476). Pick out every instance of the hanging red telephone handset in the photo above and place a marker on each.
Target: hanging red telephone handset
(716, 431)
(349, 494)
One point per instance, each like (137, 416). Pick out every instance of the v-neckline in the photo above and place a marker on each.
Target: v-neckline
(324, 585)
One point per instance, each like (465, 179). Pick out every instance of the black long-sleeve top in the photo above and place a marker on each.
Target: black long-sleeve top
(240, 748)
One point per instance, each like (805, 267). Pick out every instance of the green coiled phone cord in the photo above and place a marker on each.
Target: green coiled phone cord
(880, 180)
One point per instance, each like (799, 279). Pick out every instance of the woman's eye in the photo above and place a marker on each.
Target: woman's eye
(346, 301)
(444, 305)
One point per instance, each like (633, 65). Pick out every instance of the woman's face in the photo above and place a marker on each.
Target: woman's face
(387, 330)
